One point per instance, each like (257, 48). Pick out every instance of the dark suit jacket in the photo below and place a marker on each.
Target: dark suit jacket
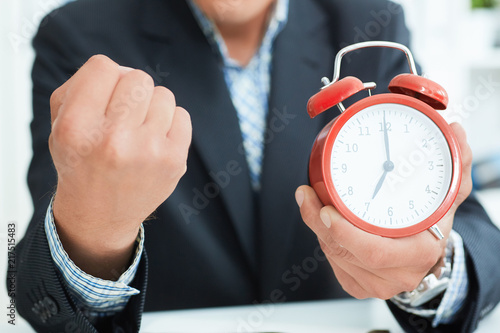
(213, 242)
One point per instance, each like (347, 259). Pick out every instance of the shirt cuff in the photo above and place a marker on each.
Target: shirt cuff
(94, 296)
(456, 292)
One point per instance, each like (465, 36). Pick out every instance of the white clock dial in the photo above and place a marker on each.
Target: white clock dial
(391, 165)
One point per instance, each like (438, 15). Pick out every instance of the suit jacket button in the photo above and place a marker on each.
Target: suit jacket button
(50, 305)
(45, 308)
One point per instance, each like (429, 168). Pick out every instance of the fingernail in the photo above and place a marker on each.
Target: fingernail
(299, 197)
(325, 217)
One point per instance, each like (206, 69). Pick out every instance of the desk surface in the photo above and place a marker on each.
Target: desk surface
(346, 316)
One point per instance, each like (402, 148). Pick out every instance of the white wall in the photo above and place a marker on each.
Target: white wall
(454, 44)
(18, 22)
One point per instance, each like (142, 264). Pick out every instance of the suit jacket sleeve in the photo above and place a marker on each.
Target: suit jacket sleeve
(42, 297)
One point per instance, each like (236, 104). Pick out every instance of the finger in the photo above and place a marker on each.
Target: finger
(161, 110)
(384, 283)
(131, 99)
(309, 204)
(466, 152)
(378, 252)
(87, 94)
(180, 131)
(310, 208)
(58, 96)
(359, 247)
(348, 283)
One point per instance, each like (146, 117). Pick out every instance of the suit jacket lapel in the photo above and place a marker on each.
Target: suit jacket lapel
(303, 54)
(200, 88)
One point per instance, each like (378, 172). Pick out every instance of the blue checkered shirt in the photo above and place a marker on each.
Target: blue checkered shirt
(97, 297)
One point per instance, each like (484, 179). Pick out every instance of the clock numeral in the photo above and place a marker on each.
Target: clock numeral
(364, 131)
(390, 211)
(367, 204)
(431, 165)
(411, 204)
(406, 129)
(352, 148)
(350, 190)
(425, 144)
(387, 124)
(344, 168)
(428, 189)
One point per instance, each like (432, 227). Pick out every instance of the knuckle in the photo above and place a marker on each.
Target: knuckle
(334, 250)
(154, 150)
(164, 94)
(114, 153)
(329, 253)
(326, 249)
(55, 98)
(64, 129)
(102, 62)
(174, 160)
(144, 78)
(184, 118)
(342, 253)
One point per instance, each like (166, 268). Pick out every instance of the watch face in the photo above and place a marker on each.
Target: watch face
(391, 166)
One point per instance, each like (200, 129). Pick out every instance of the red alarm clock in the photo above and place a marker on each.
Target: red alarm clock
(390, 163)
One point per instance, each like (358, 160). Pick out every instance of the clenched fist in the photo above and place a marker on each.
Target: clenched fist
(119, 145)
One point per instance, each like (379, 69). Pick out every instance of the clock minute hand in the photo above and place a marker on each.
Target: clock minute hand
(386, 141)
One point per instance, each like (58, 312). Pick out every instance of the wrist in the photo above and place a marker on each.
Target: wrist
(97, 247)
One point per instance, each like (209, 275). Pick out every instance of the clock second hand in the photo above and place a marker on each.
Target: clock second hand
(388, 164)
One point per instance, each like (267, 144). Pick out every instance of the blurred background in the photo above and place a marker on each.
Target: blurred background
(457, 42)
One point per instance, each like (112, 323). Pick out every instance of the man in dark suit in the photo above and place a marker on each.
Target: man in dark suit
(229, 232)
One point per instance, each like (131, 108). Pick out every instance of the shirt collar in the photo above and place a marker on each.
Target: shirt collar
(276, 24)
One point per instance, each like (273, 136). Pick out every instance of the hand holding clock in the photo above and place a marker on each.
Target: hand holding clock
(367, 265)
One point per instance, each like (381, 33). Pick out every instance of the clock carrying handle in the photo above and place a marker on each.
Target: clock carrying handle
(364, 45)
(336, 91)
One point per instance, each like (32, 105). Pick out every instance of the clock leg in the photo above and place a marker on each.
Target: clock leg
(436, 232)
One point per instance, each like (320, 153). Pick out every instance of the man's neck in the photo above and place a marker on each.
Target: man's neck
(243, 40)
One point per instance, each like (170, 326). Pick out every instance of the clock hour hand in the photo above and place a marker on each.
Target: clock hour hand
(388, 167)
(379, 184)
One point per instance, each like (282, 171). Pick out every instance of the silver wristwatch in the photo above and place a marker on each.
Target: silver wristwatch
(431, 286)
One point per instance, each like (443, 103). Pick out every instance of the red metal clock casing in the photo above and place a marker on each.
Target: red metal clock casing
(410, 90)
